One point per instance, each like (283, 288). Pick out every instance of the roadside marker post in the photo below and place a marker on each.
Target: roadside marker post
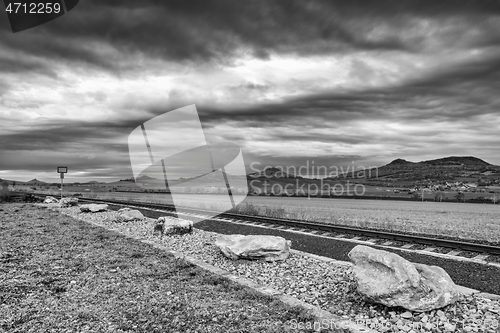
(62, 171)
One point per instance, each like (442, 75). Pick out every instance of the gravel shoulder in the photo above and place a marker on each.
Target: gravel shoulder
(330, 287)
(468, 274)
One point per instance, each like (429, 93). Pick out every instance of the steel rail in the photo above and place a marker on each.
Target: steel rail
(436, 242)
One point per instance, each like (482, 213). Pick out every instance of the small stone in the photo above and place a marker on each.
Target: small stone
(449, 327)
(93, 208)
(68, 202)
(50, 199)
(406, 314)
(406, 328)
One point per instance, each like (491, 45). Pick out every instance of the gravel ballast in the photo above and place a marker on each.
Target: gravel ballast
(324, 284)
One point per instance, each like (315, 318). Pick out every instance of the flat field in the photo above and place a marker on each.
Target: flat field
(461, 220)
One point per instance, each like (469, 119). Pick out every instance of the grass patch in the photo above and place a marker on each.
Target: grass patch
(254, 210)
(64, 275)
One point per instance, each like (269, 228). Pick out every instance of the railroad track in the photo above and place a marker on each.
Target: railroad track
(16, 198)
(20, 197)
(323, 229)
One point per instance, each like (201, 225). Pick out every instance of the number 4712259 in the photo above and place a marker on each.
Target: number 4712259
(33, 8)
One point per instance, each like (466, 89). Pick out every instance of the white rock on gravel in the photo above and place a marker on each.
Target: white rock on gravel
(49, 200)
(171, 225)
(93, 208)
(128, 215)
(254, 247)
(68, 202)
(387, 278)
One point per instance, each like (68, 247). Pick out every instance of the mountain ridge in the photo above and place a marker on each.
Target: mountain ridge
(444, 168)
(440, 169)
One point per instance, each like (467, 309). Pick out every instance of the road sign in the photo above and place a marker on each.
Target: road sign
(62, 170)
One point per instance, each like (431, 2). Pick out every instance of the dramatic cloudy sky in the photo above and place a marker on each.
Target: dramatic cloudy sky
(291, 81)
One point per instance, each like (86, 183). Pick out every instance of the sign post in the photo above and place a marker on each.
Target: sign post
(62, 171)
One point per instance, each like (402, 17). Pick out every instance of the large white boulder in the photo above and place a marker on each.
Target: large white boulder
(127, 215)
(171, 225)
(255, 247)
(50, 199)
(68, 202)
(93, 208)
(389, 279)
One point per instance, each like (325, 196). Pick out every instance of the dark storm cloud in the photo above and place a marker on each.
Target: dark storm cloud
(202, 31)
(52, 47)
(47, 160)
(63, 136)
(82, 146)
(452, 94)
(243, 87)
(123, 35)
(19, 65)
(88, 149)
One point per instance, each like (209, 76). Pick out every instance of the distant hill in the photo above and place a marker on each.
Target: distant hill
(458, 160)
(35, 182)
(398, 171)
(145, 178)
(210, 178)
(10, 182)
(400, 161)
(445, 169)
(441, 169)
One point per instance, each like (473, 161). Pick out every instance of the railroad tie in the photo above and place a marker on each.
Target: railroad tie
(481, 257)
(453, 252)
